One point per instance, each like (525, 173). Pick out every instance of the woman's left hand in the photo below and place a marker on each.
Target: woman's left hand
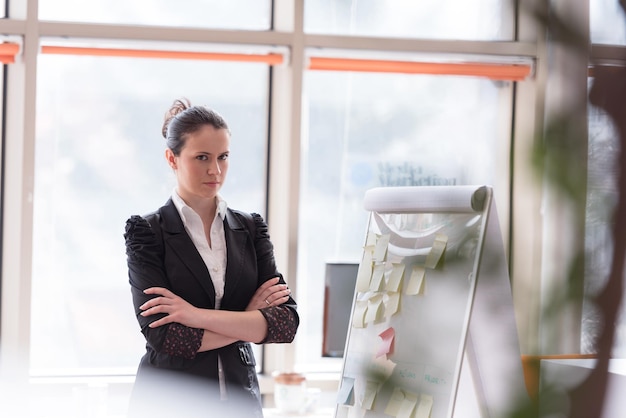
(177, 309)
(270, 293)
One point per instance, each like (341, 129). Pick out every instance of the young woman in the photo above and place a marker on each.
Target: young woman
(204, 283)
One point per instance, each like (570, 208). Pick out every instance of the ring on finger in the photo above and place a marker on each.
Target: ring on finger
(266, 301)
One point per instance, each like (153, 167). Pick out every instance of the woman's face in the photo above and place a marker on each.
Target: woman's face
(202, 165)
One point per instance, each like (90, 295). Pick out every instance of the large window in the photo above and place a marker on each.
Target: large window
(488, 20)
(232, 14)
(99, 159)
(366, 130)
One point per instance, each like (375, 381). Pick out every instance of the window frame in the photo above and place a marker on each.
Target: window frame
(520, 212)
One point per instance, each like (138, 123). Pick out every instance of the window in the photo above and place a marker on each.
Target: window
(99, 159)
(427, 19)
(188, 13)
(366, 130)
(602, 193)
(607, 22)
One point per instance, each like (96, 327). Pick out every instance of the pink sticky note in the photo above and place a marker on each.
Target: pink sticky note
(388, 339)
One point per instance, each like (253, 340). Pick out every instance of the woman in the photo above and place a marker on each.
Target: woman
(204, 283)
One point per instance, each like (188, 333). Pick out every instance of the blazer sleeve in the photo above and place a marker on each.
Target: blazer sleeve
(145, 255)
(282, 321)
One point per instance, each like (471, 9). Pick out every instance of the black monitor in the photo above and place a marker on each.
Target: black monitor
(338, 296)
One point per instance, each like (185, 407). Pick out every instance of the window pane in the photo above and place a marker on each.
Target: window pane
(602, 194)
(429, 19)
(99, 159)
(608, 22)
(215, 14)
(371, 130)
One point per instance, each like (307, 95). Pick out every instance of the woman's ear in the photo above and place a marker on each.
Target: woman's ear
(171, 158)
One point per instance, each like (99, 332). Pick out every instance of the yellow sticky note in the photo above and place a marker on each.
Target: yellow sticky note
(393, 407)
(371, 239)
(382, 367)
(394, 284)
(376, 284)
(389, 367)
(364, 274)
(436, 251)
(392, 303)
(369, 396)
(416, 282)
(380, 253)
(374, 309)
(424, 407)
(407, 406)
(358, 318)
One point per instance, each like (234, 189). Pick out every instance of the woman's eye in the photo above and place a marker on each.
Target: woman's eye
(223, 157)
(202, 157)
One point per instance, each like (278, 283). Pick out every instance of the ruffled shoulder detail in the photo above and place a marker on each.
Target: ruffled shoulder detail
(260, 226)
(140, 236)
(137, 227)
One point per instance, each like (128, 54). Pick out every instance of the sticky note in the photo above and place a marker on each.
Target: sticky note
(394, 284)
(380, 253)
(392, 303)
(374, 309)
(364, 274)
(424, 407)
(382, 367)
(388, 337)
(369, 395)
(345, 395)
(358, 317)
(376, 284)
(436, 251)
(393, 407)
(370, 241)
(416, 282)
(407, 406)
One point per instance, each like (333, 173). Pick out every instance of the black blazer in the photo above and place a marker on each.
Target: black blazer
(161, 253)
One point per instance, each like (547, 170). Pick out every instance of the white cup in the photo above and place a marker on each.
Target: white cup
(290, 393)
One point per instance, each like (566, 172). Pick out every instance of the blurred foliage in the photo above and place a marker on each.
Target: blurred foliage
(559, 163)
(556, 161)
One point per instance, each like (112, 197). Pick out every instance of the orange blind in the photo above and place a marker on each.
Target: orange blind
(512, 72)
(8, 51)
(270, 59)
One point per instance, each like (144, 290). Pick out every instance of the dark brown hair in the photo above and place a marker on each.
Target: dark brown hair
(182, 119)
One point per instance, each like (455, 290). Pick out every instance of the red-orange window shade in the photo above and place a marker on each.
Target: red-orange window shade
(8, 51)
(270, 58)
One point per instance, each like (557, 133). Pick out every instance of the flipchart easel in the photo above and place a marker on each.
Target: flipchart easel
(432, 331)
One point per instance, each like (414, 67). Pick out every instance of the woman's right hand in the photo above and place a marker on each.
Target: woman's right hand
(176, 308)
(271, 293)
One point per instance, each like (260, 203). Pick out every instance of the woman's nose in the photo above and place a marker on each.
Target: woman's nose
(214, 168)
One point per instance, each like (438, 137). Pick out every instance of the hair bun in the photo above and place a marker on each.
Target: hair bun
(179, 106)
